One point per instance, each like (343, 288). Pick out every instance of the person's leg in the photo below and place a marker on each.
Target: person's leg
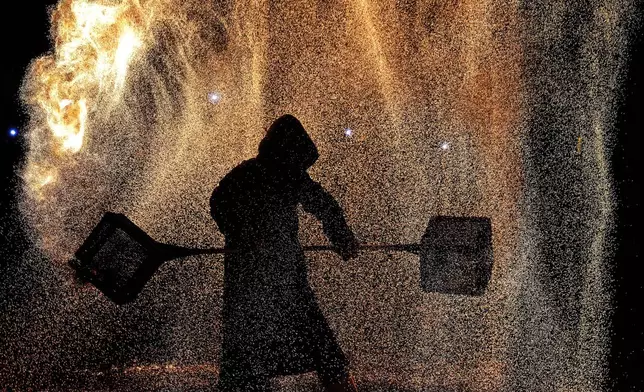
(346, 384)
(336, 379)
(331, 364)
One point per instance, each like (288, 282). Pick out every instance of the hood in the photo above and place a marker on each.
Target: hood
(287, 144)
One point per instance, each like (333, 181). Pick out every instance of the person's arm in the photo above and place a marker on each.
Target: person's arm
(317, 201)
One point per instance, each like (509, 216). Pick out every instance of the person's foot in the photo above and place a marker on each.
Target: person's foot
(348, 385)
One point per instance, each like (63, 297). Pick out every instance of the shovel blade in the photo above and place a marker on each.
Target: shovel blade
(118, 258)
(456, 255)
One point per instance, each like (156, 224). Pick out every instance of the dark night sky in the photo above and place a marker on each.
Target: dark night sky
(25, 33)
(628, 341)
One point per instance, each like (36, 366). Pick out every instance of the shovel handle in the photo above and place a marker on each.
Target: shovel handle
(411, 248)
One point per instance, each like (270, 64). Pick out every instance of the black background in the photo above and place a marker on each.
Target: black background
(25, 36)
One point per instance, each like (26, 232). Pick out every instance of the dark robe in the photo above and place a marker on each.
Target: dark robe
(272, 324)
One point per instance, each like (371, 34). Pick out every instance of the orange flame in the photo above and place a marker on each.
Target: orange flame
(95, 42)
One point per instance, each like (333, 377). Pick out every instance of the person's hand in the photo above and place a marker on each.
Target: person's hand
(350, 250)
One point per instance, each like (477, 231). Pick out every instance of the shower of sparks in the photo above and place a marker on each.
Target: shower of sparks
(122, 119)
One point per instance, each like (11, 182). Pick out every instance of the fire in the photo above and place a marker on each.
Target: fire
(95, 42)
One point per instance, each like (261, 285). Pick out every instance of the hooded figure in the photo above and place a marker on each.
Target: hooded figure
(272, 324)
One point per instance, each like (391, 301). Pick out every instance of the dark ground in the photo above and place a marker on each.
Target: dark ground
(202, 380)
(25, 37)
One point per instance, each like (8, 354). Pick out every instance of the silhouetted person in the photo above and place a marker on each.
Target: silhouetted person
(272, 324)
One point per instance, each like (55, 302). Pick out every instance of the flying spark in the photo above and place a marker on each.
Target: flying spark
(214, 97)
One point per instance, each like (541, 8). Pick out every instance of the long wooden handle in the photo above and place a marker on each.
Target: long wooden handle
(172, 251)
(412, 248)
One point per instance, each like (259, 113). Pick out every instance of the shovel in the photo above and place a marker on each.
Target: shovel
(119, 258)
